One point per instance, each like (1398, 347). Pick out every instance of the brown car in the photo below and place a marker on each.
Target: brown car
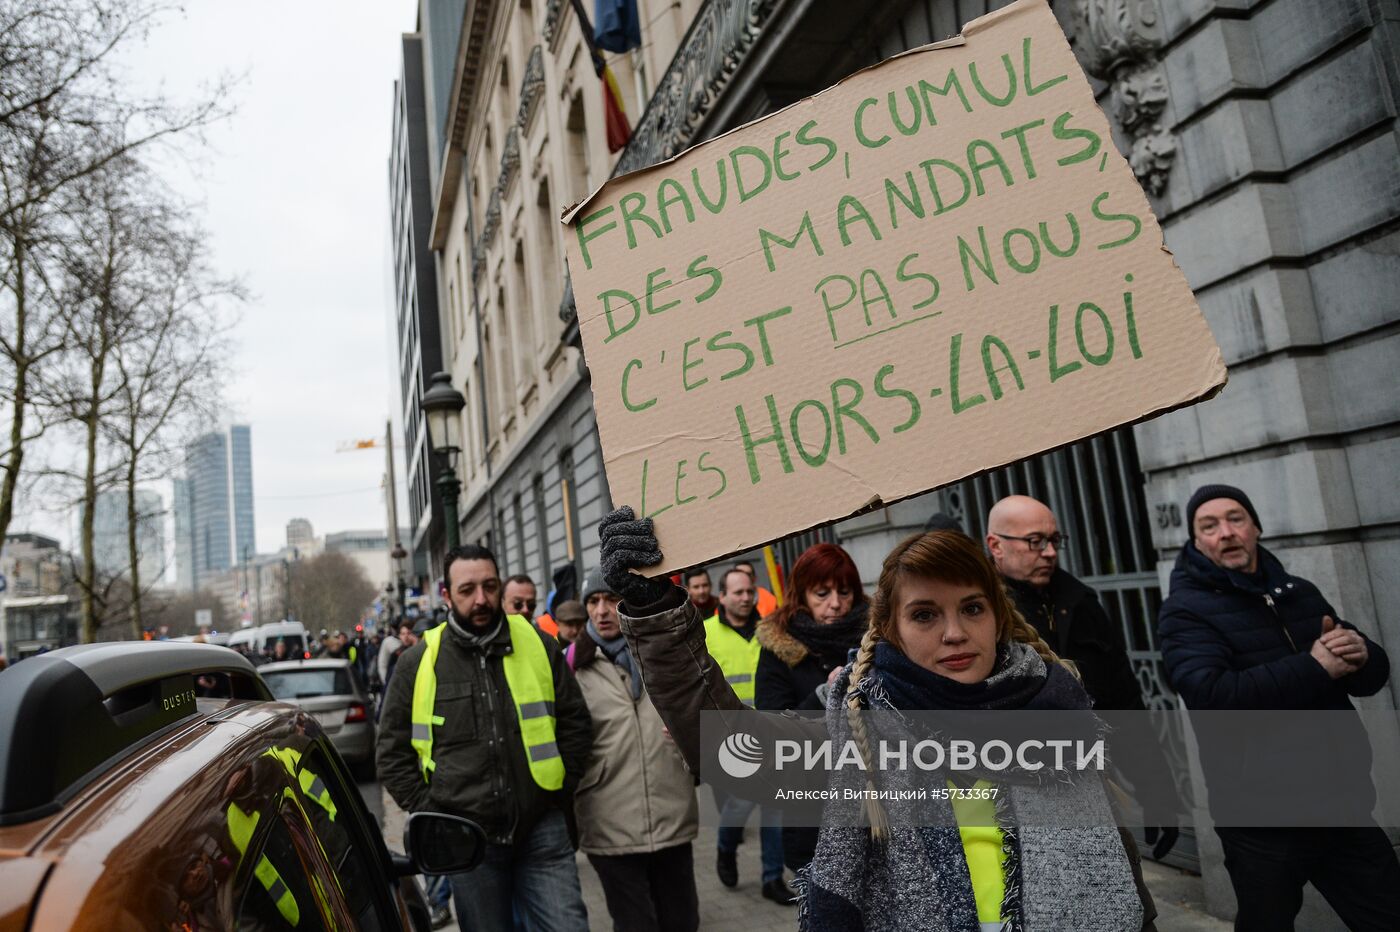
(157, 786)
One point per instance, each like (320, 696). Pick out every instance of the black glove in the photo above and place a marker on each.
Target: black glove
(630, 543)
(1162, 839)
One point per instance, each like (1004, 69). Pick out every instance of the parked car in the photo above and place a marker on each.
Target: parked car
(129, 802)
(331, 690)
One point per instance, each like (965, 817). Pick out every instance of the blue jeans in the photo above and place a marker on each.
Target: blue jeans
(439, 891)
(733, 813)
(536, 880)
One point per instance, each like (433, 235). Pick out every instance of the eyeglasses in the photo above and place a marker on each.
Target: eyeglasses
(1038, 542)
(523, 605)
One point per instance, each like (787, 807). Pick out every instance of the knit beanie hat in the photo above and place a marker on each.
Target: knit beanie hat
(1208, 493)
(593, 583)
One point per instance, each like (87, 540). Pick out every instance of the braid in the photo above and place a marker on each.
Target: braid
(879, 821)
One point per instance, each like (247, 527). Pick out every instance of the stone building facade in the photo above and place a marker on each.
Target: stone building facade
(1264, 132)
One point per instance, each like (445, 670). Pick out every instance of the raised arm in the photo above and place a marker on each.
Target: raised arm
(667, 638)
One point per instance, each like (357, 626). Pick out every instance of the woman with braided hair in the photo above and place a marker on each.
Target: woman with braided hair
(943, 635)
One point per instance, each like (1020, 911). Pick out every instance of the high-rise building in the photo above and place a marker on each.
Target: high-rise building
(183, 506)
(300, 536)
(219, 475)
(110, 548)
(415, 297)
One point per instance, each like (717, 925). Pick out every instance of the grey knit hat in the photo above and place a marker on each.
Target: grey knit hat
(592, 583)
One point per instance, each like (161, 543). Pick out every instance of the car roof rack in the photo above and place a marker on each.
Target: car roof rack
(67, 714)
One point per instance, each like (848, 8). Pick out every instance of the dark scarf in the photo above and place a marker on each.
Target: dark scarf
(470, 636)
(1019, 680)
(616, 651)
(831, 642)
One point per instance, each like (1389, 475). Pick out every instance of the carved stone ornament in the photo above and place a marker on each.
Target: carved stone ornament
(1118, 41)
(510, 159)
(531, 89)
(552, 11)
(721, 37)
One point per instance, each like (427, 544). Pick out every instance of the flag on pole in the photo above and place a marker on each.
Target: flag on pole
(614, 113)
(775, 573)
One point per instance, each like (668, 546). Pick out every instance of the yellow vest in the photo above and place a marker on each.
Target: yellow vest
(736, 655)
(240, 828)
(531, 682)
(982, 846)
(311, 785)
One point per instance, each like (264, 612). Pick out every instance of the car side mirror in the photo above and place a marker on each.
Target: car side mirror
(438, 843)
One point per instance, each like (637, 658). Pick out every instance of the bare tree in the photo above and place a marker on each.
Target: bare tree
(331, 591)
(65, 114)
(114, 263)
(170, 375)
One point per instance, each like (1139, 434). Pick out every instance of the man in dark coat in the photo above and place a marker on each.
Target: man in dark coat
(1239, 632)
(1024, 540)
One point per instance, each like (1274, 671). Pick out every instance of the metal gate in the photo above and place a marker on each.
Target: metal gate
(1095, 488)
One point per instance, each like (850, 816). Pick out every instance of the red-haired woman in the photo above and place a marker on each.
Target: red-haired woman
(943, 635)
(812, 634)
(804, 643)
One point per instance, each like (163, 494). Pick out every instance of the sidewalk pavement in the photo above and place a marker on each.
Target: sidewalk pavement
(1180, 896)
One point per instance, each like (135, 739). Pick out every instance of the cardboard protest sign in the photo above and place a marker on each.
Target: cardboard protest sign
(936, 267)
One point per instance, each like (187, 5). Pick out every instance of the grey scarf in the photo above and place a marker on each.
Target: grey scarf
(1055, 878)
(616, 651)
(467, 634)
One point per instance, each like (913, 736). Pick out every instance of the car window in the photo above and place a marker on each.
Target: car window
(277, 893)
(306, 684)
(331, 809)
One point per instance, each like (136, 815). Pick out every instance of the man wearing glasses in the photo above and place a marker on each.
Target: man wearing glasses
(1024, 541)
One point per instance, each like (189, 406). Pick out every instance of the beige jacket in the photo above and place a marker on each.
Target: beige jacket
(636, 795)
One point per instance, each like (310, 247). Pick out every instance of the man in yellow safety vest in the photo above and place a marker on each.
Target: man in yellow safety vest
(484, 719)
(729, 637)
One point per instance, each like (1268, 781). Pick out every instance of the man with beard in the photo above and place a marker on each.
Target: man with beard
(483, 719)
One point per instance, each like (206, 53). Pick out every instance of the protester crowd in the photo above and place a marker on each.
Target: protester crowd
(577, 727)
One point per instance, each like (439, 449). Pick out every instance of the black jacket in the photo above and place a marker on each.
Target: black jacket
(1231, 641)
(1067, 614)
(1070, 618)
(1236, 642)
(481, 770)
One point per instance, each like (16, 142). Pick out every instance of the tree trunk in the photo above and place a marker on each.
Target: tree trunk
(133, 549)
(15, 456)
(89, 572)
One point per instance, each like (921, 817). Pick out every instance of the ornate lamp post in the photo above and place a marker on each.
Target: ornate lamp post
(443, 404)
(398, 554)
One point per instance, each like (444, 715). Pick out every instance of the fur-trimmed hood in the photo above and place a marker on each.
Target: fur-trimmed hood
(776, 638)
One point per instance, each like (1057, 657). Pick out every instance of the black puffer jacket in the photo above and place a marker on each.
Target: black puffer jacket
(482, 772)
(1232, 641)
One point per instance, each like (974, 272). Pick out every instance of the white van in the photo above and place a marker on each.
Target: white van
(292, 633)
(243, 638)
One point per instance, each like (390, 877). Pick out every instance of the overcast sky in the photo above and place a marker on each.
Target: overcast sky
(296, 199)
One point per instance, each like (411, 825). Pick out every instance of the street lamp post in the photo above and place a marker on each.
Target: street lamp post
(442, 405)
(398, 554)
